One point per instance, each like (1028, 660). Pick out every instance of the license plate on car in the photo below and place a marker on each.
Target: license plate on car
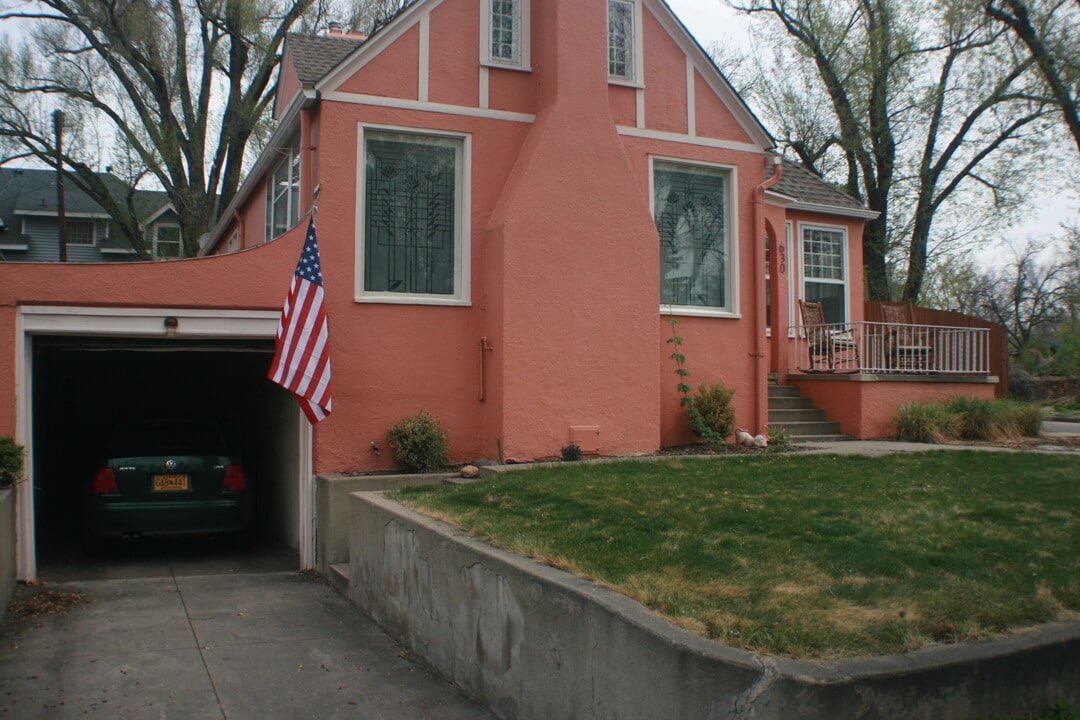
(170, 483)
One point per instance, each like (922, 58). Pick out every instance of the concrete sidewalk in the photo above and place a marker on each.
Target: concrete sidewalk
(263, 645)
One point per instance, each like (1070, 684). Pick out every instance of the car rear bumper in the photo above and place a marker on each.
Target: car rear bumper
(115, 516)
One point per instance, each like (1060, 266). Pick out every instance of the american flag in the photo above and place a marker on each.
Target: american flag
(302, 359)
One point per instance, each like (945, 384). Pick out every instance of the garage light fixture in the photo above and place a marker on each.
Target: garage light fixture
(171, 324)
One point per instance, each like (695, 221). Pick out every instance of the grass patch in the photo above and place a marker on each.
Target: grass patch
(965, 418)
(803, 556)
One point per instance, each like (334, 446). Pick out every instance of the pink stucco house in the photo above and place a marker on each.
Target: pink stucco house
(514, 196)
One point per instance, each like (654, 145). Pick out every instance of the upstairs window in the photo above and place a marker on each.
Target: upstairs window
(283, 194)
(81, 232)
(506, 33)
(622, 40)
(166, 242)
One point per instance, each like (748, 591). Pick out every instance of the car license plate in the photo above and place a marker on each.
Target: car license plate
(170, 483)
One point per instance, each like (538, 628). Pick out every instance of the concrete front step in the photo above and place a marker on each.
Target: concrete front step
(799, 429)
(783, 391)
(823, 438)
(790, 403)
(781, 416)
(339, 577)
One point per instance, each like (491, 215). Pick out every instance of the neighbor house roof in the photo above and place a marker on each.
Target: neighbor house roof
(802, 189)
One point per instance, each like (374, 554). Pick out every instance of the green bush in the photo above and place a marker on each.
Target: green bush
(418, 443)
(11, 461)
(712, 414)
(1024, 418)
(927, 423)
(571, 453)
(980, 419)
(779, 438)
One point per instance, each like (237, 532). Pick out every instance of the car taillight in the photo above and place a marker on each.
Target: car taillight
(234, 479)
(105, 482)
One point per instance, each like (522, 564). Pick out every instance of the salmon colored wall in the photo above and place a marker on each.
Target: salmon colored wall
(288, 84)
(395, 72)
(867, 409)
(713, 118)
(623, 103)
(511, 90)
(201, 282)
(665, 79)
(454, 52)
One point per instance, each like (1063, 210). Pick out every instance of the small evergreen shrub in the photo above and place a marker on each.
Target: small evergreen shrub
(418, 443)
(712, 413)
(11, 461)
(571, 453)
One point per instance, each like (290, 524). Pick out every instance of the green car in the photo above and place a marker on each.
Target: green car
(168, 477)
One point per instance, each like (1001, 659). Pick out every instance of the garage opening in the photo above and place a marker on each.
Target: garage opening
(85, 387)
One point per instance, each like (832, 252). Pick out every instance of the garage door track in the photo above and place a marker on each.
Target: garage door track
(257, 645)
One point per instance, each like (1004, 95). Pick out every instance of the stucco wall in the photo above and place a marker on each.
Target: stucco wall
(533, 642)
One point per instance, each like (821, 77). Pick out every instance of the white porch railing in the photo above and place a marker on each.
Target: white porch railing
(884, 348)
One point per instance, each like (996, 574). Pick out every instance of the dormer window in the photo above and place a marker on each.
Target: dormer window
(505, 33)
(623, 41)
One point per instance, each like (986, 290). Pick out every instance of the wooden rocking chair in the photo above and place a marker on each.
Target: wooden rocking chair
(909, 347)
(826, 343)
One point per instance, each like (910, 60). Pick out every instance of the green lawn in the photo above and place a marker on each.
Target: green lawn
(803, 556)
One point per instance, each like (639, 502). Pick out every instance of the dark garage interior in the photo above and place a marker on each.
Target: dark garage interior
(83, 387)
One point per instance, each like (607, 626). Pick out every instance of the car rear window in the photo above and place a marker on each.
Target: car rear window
(167, 437)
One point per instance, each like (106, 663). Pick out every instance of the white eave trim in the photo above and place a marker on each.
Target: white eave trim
(54, 213)
(23, 247)
(158, 213)
(863, 213)
(286, 127)
(117, 251)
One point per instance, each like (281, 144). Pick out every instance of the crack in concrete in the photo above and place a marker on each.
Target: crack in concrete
(744, 704)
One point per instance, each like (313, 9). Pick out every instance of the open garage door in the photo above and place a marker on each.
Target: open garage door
(84, 387)
(85, 370)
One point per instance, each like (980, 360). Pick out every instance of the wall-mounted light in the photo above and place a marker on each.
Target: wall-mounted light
(171, 324)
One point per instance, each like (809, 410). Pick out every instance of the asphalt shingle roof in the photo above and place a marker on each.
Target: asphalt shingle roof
(808, 187)
(315, 56)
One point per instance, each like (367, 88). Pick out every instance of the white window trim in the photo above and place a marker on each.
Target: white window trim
(638, 81)
(734, 311)
(157, 227)
(803, 227)
(290, 151)
(524, 38)
(789, 231)
(93, 233)
(462, 214)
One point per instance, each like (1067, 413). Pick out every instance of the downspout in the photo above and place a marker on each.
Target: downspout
(761, 370)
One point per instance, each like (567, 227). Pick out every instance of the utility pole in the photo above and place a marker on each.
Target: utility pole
(61, 219)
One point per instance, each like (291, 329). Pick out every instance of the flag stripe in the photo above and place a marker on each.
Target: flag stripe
(302, 359)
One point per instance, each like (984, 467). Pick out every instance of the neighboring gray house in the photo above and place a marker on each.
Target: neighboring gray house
(29, 225)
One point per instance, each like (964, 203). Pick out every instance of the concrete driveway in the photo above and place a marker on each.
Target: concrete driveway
(232, 644)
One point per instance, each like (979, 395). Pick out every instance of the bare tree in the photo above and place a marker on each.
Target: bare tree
(1050, 29)
(180, 87)
(911, 105)
(1031, 295)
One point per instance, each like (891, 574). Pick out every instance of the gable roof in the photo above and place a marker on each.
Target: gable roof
(803, 189)
(315, 56)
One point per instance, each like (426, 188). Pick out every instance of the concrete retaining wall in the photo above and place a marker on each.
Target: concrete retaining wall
(8, 561)
(332, 508)
(532, 642)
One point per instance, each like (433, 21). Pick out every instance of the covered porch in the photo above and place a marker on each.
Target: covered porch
(861, 372)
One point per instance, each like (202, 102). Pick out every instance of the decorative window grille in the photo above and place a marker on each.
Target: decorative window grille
(823, 271)
(621, 39)
(691, 211)
(412, 214)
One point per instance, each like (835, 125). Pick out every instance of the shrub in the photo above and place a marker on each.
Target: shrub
(1024, 418)
(418, 443)
(927, 423)
(779, 438)
(11, 461)
(571, 452)
(712, 414)
(979, 419)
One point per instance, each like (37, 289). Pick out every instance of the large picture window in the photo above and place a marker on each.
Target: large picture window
(622, 40)
(692, 210)
(413, 216)
(283, 194)
(824, 270)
